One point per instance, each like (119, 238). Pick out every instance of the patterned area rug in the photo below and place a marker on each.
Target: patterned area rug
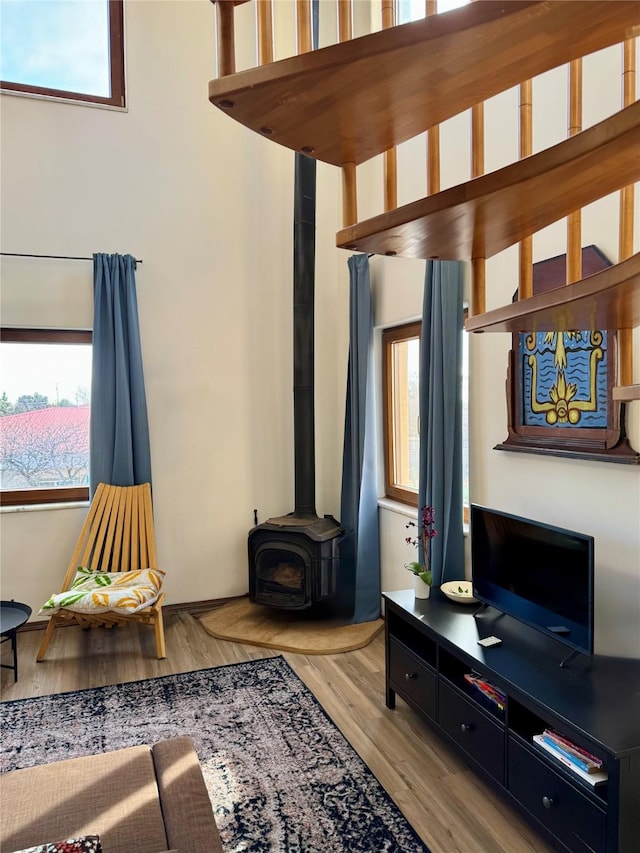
(280, 775)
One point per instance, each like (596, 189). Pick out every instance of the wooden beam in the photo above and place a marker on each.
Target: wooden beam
(265, 31)
(574, 220)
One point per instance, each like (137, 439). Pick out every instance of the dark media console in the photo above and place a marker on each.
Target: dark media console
(594, 701)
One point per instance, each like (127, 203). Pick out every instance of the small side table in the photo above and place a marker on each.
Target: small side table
(13, 614)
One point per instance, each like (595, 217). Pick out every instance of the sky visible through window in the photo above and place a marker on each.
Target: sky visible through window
(413, 10)
(56, 44)
(56, 371)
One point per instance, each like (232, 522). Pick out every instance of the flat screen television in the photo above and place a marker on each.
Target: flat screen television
(537, 573)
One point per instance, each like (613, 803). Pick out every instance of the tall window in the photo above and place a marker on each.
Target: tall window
(465, 422)
(400, 378)
(64, 48)
(44, 415)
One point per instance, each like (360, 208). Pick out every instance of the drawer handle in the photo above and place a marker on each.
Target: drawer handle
(409, 675)
(547, 802)
(466, 727)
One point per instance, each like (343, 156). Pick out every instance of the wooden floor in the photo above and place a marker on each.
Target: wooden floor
(450, 808)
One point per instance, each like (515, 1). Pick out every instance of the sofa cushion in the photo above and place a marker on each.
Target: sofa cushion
(113, 794)
(88, 844)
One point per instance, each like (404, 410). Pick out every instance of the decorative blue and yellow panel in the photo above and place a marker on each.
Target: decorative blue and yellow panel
(564, 379)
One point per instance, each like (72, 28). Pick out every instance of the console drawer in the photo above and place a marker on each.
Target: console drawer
(412, 678)
(571, 816)
(475, 733)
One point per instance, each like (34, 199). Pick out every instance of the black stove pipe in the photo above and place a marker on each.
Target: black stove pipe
(304, 256)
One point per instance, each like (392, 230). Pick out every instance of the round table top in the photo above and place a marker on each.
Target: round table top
(12, 615)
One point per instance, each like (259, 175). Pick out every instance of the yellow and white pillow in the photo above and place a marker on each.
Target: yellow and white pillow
(98, 592)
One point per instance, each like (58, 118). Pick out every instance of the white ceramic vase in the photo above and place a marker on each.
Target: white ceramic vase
(420, 588)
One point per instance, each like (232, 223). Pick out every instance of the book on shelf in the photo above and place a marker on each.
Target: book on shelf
(570, 755)
(488, 690)
(596, 777)
(586, 759)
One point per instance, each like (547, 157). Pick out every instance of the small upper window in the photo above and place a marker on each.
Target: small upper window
(44, 415)
(64, 48)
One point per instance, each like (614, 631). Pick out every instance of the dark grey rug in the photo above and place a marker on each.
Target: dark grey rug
(280, 774)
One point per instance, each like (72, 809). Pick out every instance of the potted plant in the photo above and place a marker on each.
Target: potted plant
(422, 576)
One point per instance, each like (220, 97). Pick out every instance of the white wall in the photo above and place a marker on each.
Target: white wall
(208, 206)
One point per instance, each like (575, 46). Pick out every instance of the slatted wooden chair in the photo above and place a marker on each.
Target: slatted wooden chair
(117, 537)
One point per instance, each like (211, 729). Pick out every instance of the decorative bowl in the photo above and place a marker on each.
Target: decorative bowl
(459, 591)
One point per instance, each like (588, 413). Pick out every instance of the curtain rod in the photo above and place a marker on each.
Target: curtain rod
(54, 257)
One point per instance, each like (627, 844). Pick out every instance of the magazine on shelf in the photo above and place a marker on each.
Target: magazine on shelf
(569, 754)
(496, 697)
(586, 760)
(596, 778)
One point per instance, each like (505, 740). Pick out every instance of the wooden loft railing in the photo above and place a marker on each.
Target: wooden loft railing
(351, 101)
(361, 97)
(579, 305)
(487, 215)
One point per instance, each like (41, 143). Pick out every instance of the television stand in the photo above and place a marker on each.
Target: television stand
(432, 644)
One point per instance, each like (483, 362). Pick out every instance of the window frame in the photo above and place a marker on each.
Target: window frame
(62, 494)
(390, 336)
(466, 511)
(116, 69)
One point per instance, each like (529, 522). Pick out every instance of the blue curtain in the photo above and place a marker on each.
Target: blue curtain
(441, 415)
(360, 550)
(119, 453)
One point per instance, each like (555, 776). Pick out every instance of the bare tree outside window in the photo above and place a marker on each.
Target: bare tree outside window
(44, 433)
(45, 448)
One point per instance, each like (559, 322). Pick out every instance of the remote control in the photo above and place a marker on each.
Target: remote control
(490, 641)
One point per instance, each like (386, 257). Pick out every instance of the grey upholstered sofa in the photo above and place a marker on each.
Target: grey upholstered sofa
(137, 800)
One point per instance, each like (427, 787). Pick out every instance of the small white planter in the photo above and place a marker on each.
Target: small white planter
(420, 588)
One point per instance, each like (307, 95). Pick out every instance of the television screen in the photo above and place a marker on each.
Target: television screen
(538, 573)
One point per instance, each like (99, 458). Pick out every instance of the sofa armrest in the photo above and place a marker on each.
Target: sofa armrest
(113, 795)
(186, 807)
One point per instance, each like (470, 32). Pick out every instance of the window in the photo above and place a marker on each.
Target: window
(413, 10)
(400, 382)
(465, 421)
(44, 415)
(64, 48)
(400, 373)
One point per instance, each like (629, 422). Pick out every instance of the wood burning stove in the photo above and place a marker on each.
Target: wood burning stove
(294, 559)
(294, 562)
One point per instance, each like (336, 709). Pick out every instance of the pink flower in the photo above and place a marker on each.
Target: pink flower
(425, 533)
